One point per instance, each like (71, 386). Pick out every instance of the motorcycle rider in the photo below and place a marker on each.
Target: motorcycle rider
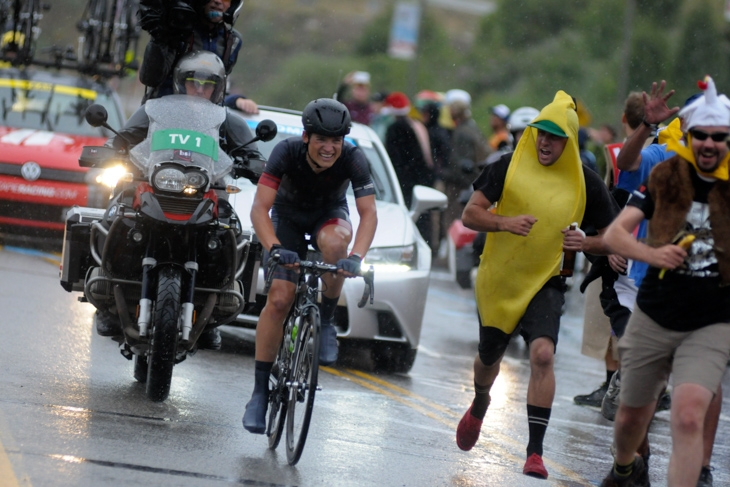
(201, 74)
(304, 185)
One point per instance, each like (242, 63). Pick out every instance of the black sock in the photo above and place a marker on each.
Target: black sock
(481, 401)
(327, 310)
(537, 420)
(261, 374)
(623, 470)
(609, 375)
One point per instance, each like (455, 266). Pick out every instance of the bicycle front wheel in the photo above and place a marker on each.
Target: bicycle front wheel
(278, 397)
(304, 368)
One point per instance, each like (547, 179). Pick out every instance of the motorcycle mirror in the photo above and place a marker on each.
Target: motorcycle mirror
(96, 115)
(266, 130)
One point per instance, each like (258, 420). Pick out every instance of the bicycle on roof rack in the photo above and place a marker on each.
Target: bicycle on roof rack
(293, 381)
(20, 21)
(107, 44)
(109, 33)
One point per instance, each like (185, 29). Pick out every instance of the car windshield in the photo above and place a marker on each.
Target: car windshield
(53, 107)
(381, 179)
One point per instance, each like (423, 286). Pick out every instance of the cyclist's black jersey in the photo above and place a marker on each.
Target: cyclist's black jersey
(288, 172)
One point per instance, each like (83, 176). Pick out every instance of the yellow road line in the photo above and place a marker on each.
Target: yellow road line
(361, 378)
(384, 392)
(405, 392)
(7, 475)
(56, 262)
(486, 443)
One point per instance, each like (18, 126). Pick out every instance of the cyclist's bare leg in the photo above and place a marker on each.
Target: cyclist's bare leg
(332, 241)
(269, 330)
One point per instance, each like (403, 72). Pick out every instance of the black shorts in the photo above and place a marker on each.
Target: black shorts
(541, 319)
(293, 226)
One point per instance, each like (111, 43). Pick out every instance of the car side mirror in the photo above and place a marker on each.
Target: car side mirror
(425, 199)
(96, 115)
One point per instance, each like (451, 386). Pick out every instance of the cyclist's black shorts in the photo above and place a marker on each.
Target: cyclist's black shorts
(293, 226)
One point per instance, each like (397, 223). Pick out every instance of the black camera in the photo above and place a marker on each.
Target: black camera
(168, 20)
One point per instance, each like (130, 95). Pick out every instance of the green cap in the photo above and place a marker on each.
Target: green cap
(550, 127)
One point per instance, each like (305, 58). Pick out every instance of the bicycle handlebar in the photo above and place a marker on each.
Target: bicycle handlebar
(321, 268)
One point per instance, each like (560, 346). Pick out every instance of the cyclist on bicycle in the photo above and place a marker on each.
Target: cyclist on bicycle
(304, 185)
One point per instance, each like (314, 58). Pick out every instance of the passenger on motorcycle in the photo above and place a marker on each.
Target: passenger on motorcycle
(200, 74)
(180, 27)
(304, 185)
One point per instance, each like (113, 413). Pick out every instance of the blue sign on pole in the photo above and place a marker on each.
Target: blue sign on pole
(404, 30)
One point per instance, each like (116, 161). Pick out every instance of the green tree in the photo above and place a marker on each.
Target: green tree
(701, 48)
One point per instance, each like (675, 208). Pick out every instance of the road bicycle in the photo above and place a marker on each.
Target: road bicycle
(20, 29)
(293, 380)
(109, 32)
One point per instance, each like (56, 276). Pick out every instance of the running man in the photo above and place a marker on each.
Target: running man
(539, 190)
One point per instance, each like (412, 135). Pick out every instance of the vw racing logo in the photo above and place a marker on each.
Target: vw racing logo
(30, 171)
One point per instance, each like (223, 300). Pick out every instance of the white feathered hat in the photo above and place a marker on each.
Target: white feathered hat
(708, 110)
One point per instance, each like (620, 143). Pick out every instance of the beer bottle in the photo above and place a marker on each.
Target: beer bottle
(568, 260)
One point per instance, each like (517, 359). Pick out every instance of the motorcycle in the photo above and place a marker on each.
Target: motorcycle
(168, 256)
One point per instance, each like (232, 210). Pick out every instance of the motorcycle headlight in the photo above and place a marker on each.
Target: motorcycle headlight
(110, 176)
(195, 179)
(169, 179)
(392, 259)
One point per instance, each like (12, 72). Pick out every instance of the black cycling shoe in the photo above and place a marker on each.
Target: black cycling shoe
(107, 325)
(210, 340)
(254, 419)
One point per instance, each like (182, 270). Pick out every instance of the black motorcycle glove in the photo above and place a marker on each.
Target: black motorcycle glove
(351, 264)
(285, 256)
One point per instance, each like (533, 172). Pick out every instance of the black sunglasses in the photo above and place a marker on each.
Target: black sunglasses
(715, 136)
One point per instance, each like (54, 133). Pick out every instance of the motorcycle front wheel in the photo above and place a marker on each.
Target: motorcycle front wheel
(163, 346)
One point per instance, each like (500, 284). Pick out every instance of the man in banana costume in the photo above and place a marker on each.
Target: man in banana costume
(681, 321)
(537, 193)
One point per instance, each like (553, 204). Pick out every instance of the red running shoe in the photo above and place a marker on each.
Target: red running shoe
(467, 433)
(534, 467)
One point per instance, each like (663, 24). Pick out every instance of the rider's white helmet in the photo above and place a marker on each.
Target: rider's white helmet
(202, 68)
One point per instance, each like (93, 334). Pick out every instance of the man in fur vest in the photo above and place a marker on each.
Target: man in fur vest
(681, 322)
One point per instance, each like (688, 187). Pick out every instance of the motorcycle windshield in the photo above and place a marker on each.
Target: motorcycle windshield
(184, 130)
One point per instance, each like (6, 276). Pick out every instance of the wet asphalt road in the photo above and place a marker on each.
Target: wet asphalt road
(71, 414)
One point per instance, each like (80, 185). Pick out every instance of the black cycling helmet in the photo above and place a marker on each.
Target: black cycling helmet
(326, 116)
(201, 67)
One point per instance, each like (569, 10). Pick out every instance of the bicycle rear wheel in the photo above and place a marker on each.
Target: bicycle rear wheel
(304, 369)
(278, 397)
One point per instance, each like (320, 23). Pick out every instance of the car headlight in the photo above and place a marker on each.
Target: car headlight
(392, 259)
(111, 175)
